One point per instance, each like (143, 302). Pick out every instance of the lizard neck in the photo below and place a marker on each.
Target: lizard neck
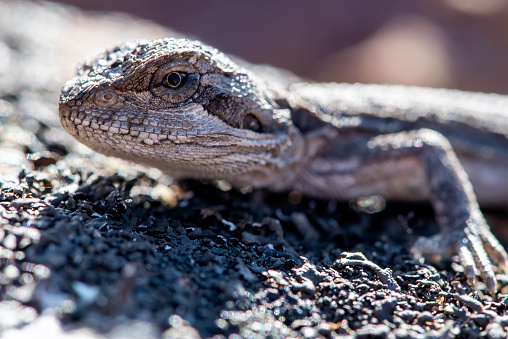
(282, 172)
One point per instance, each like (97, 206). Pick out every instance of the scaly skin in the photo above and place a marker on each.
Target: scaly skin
(189, 110)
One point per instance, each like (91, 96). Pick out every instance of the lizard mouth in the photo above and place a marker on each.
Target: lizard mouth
(186, 139)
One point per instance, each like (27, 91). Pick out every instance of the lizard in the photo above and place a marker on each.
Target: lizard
(188, 109)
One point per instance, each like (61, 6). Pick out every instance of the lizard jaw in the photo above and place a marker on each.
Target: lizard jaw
(188, 142)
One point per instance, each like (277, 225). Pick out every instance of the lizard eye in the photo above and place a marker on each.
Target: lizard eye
(174, 79)
(252, 123)
(174, 86)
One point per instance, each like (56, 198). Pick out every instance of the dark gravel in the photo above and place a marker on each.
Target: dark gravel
(100, 244)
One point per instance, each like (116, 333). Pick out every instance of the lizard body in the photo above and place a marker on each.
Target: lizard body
(189, 110)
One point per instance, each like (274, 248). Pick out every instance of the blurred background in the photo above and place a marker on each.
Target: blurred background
(437, 43)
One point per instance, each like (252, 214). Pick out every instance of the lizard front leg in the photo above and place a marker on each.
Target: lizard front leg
(383, 164)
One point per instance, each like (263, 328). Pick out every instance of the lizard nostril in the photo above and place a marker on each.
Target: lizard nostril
(105, 98)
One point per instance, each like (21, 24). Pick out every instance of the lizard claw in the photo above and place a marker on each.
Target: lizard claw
(476, 246)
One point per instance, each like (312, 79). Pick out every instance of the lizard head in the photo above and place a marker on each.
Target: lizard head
(180, 106)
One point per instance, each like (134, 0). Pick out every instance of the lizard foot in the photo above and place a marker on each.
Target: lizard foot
(477, 247)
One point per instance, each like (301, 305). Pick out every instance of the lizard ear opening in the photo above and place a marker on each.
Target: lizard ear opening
(252, 123)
